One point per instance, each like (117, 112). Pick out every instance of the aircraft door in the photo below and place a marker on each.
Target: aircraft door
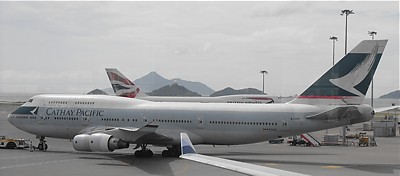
(200, 122)
(144, 119)
(41, 119)
(284, 124)
(85, 120)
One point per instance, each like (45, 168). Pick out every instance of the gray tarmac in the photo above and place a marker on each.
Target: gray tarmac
(62, 160)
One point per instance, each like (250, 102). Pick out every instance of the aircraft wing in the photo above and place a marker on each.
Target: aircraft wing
(189, 153)
(134, 135)
(333, 114)
(386, 108)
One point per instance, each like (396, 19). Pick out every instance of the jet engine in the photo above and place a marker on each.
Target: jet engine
(98, 142)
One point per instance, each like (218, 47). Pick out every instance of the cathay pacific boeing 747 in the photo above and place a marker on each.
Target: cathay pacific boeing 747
(107, 123)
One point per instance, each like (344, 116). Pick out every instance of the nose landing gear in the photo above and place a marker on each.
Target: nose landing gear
(42, 146)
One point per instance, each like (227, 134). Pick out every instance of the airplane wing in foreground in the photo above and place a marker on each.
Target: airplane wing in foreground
(189, 153)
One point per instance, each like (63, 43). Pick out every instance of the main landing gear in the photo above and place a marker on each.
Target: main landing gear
(144, 152)
(173, 151)
(42, 146)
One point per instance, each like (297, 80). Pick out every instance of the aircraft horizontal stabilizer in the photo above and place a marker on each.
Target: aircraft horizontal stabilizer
(189, 153)
(333, 114)
(386, 108)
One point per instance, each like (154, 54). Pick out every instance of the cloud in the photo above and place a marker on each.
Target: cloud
(219, 43)
(279, 9)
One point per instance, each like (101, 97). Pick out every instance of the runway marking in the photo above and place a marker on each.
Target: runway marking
(33, 164)
(271, 164)
(16, 157)
(331, 167)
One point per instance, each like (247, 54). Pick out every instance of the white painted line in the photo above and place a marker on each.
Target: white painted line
(17, 157)
(33, 164)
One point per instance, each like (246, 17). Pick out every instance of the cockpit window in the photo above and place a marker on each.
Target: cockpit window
(30, 100)
(26, 110)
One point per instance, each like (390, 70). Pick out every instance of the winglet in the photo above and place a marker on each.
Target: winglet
(186, 145)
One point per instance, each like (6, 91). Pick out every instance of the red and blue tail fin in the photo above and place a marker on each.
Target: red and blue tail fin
(347, 81)
(122, 86)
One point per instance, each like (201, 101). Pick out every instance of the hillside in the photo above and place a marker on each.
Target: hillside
(153, 81)
(97, 92)
(173, 90)
(230, 91)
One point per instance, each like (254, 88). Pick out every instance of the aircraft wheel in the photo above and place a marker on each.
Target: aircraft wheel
(40, 147)
(149, 153)
(138, 153)
(170, 153)
(165, 153)
(143, 153)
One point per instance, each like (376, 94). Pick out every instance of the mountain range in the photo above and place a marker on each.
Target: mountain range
(231, 91)
(173, 90)
(153, 81)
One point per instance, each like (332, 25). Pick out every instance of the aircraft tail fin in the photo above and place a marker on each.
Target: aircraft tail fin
(347, 82)
(122, 86)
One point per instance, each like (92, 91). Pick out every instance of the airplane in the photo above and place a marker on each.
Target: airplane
(121, 85)
(106, 123)
(124, 87)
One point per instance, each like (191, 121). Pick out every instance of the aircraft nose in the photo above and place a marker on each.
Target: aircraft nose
(9, 118)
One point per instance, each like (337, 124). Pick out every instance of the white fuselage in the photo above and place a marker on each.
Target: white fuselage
(241, 98)
(65, 116)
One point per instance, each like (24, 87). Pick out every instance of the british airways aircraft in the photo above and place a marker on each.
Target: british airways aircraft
(124, 87)
(107, 123)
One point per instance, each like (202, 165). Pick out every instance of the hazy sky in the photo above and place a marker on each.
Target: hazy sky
(63, 47)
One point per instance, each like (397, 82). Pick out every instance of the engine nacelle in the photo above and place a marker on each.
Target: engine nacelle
(81, 142)
(98, 142)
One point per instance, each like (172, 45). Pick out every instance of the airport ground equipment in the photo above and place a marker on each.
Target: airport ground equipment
(303, 140)
(365, 140)
(13, 143)
(299, 142)
(276, 141)
(310, 139)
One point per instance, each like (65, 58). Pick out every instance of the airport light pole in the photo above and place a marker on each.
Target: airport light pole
(333, 38)
(372, 34)
(263, 72)
(347, 13)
